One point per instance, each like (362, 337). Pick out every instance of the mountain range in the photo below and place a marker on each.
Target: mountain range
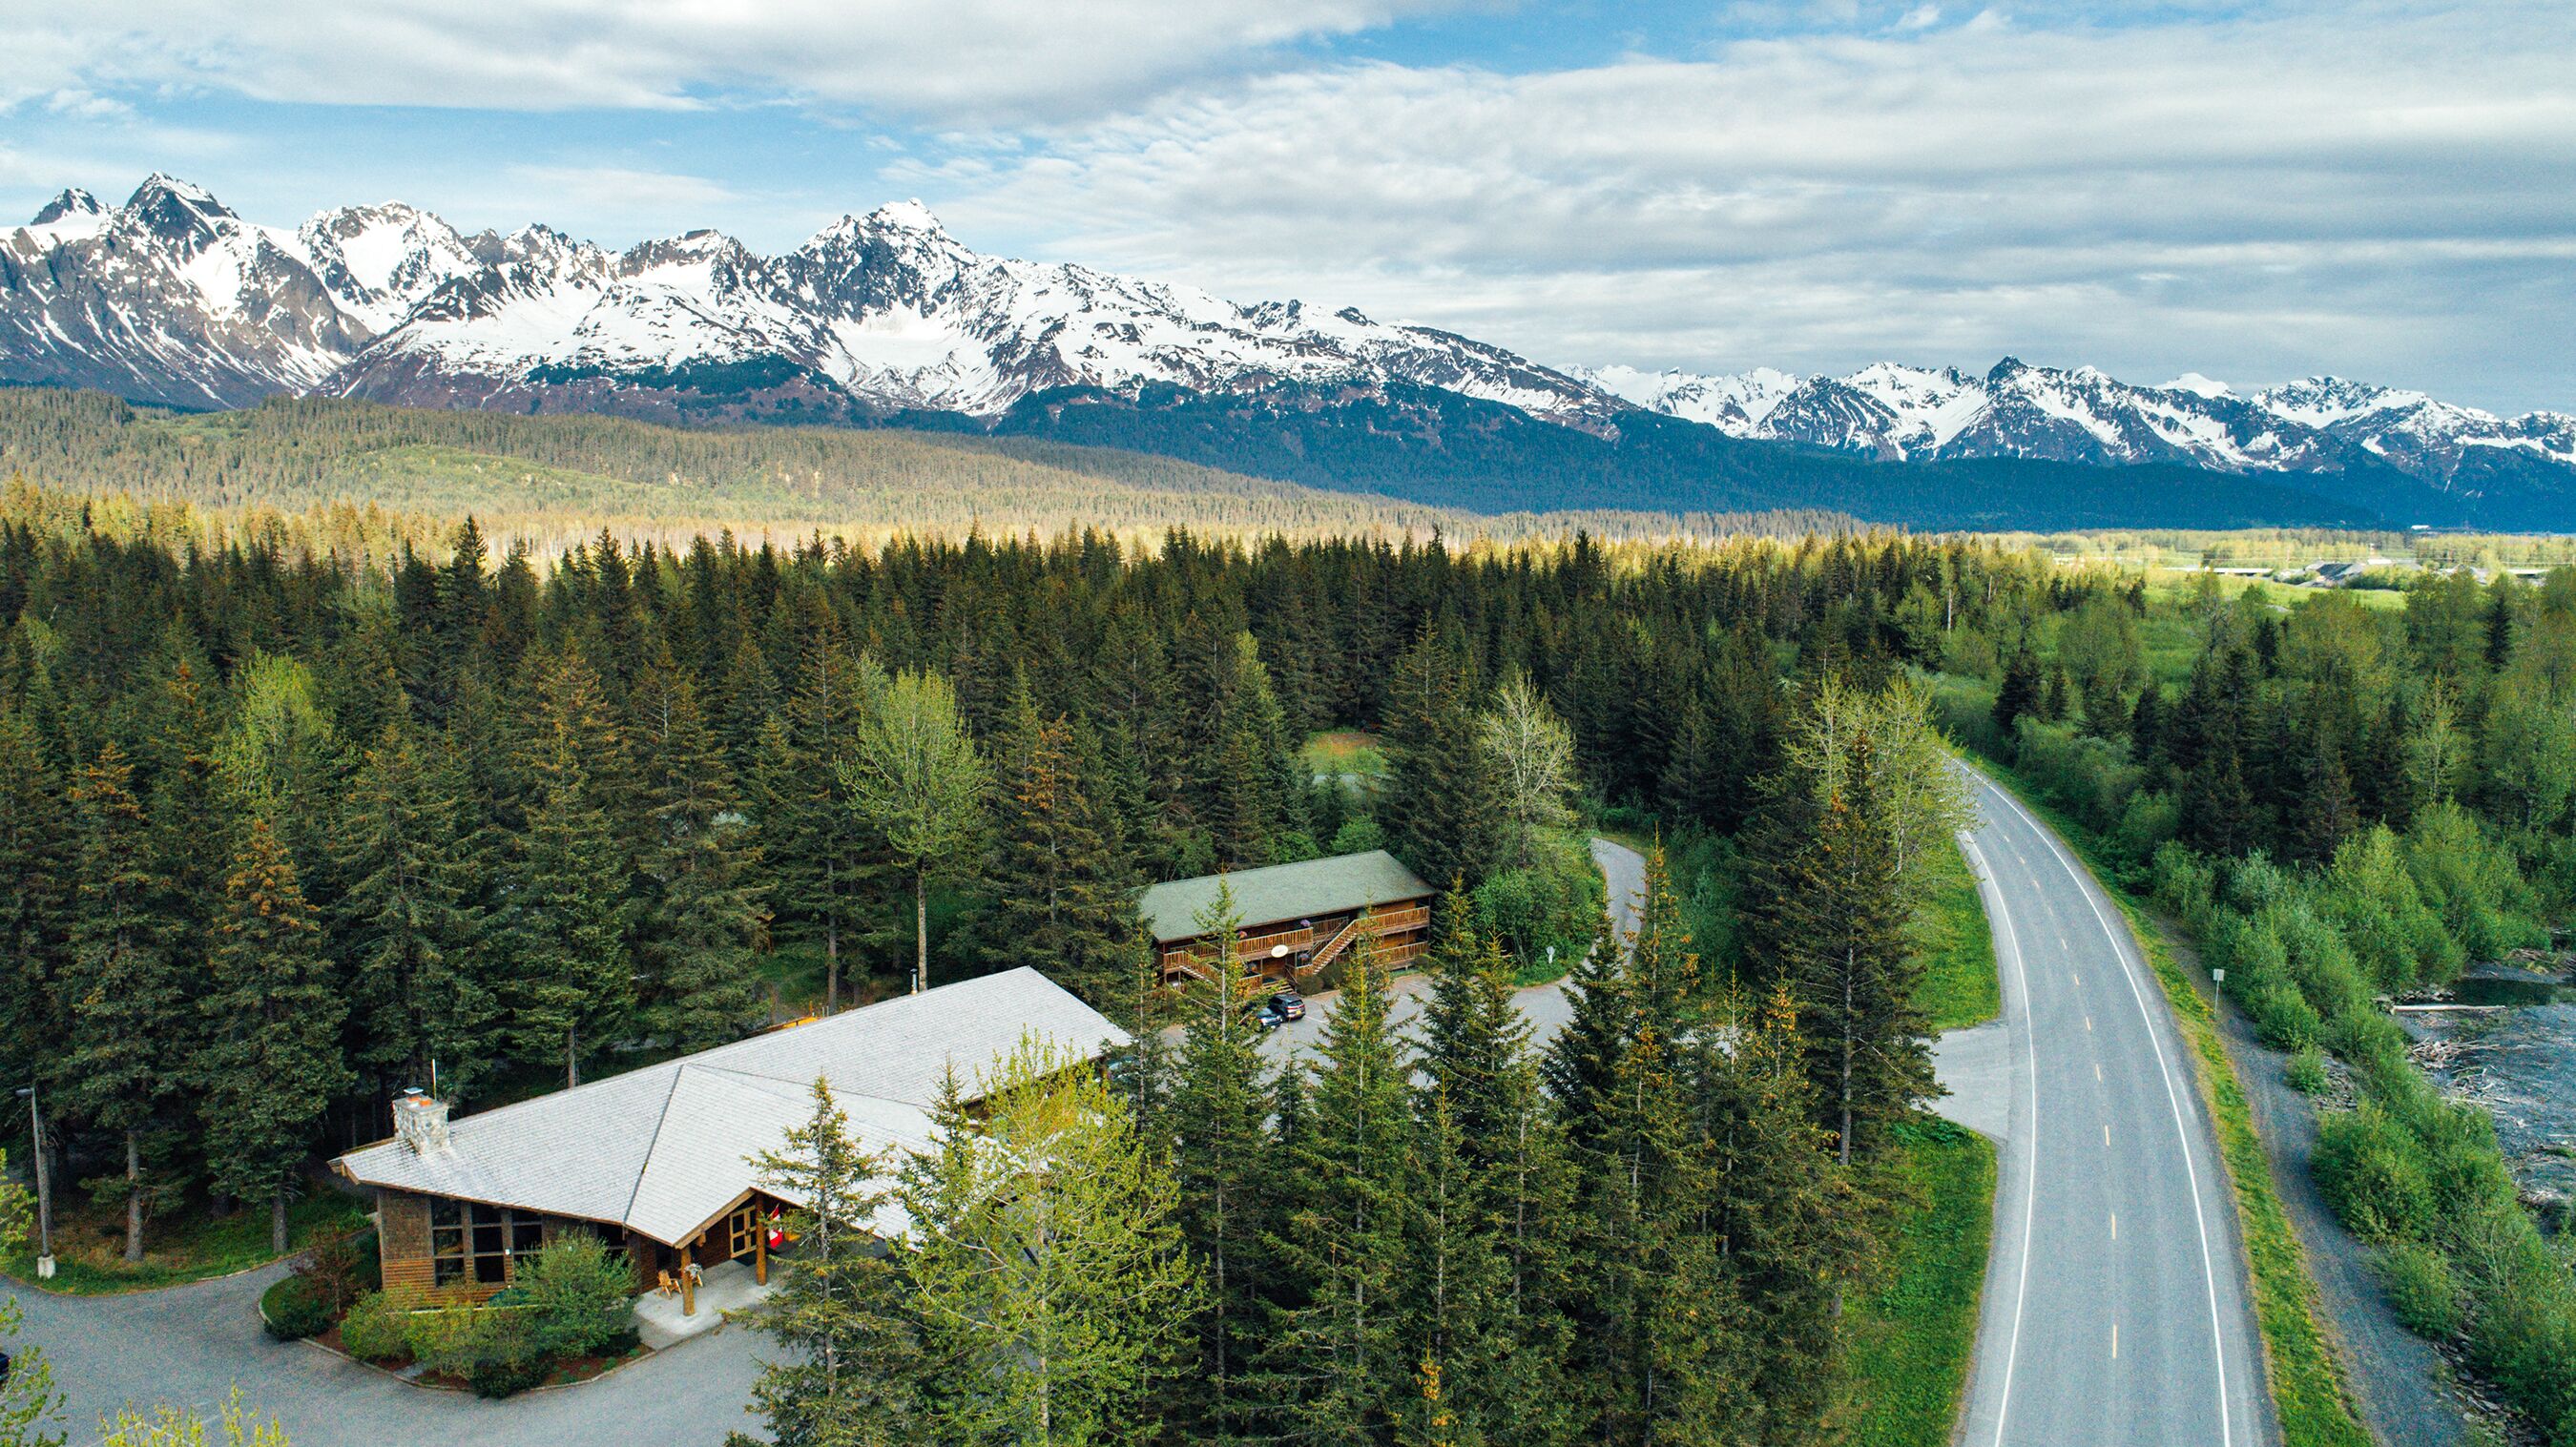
(887, 320)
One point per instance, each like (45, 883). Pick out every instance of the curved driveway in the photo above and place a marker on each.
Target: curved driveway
(2115, 1308)
(188, 1345)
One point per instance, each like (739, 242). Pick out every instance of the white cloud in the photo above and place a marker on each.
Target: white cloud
(2256, 197)
(956, 62)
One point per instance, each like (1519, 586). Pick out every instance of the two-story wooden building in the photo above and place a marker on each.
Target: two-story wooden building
(657, 1162)
(1295, 920)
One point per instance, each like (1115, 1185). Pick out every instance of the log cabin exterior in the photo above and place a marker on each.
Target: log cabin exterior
(657, 1162)
(1297, 920)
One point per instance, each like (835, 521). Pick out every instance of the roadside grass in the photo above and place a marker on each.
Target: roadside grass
(1344, 751)
(1911, 1340)
(89, 1244)
(2307, 1385)
(1959, 985)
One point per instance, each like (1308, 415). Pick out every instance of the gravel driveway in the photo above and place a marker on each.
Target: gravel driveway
(188, 1345)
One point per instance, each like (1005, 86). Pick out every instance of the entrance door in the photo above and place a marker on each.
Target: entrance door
(741, 1232)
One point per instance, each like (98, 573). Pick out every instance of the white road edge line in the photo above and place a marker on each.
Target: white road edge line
(2182, 1131)
(2030, 1181)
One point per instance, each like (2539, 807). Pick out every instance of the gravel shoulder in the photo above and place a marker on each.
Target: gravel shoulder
(2398, 1379)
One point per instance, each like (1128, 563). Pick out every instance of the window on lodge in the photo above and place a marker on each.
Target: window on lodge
(470, 1242)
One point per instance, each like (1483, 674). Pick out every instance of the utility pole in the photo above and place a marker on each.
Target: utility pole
(44, 1188)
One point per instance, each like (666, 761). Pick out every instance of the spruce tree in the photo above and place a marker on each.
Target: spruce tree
(272, 1064)
(1063, 899)
(1656, 1331)
(565, 920)
(129, 999)
(853, 1375)
(1441, 810)
(706, 917)
(36, 894)
(406, 928)
(1333, 1364)
(1220, 1102)
(2019, 696)
(1852, 969)
(1790, 1235)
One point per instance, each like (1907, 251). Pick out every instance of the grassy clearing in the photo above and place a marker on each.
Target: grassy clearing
(89, 1244)
(2308, 1390)
(1910, 1341)
(1959, 985)
(1345, 751)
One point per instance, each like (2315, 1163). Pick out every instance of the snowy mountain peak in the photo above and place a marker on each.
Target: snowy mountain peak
(71, 202)
(162, 193)
(2198, 386)
(908, 215)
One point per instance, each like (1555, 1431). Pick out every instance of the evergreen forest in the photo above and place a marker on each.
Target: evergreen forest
(285, 827)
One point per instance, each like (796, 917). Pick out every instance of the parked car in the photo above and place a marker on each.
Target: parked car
(1289, 1004)
(1270, 1016)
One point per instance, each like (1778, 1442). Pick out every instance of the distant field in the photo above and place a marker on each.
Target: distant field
(1345, 751)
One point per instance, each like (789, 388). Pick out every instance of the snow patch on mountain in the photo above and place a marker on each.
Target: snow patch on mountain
(173, 297)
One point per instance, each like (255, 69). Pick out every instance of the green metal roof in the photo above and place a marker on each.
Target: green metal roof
(1280, 892)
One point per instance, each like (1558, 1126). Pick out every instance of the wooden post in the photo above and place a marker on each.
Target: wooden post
(688, 1282)
(759, 1249)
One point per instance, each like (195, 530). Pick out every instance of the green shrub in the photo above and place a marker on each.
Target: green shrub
(445, 1339)
(2281, 1015)
(2371, 1170)
(2421, 1289)
(577, 1294)
(508, 1356)
(292, 1309)
(378, 1326)
(2306, 1072)
(1554, 901)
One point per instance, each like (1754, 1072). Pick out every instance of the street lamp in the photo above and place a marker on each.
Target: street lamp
(44, 1187)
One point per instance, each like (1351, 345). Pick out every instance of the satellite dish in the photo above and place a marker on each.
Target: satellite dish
(1278, 952)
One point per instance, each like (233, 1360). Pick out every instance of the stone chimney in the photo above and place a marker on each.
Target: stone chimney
(420, 1121)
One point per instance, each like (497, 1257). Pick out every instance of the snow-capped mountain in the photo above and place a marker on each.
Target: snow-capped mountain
(2082, 415)
(174, 298)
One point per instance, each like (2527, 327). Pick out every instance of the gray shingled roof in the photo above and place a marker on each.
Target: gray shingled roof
(667, 1148)
(1279, 892)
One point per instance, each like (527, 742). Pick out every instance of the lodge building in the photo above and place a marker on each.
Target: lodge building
(657, 1162)
(1297, 920)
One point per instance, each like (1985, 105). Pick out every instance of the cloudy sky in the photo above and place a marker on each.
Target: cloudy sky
(2377, 188)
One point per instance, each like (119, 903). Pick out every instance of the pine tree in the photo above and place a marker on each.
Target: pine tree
(2020, 696)
(706, 917)
(1853, 971)
(840, 1305)
(2326, 815)
(1221, 1155)
(565, 921)
(1333, 1363)
(36, 896)
(1657, 1331)
(272, 1065)
(1440, 809)
(1789, 1234)
(822, 866)
(406, 928)
(1063, 900)
(128, 998)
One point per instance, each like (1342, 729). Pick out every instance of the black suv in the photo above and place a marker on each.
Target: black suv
(1289, 1004)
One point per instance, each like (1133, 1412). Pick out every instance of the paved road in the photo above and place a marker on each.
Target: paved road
(2115, 1307)
(188, 1345)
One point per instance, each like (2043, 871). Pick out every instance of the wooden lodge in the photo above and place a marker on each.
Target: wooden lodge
(658, 1162)
(1296, 920)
